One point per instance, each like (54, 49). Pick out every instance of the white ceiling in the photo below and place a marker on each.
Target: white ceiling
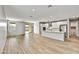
(42, 12)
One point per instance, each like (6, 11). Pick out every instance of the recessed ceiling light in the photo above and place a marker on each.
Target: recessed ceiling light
(50, 16)
(74, 16)
(33, 9)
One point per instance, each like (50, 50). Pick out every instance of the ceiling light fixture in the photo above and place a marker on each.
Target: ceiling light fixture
(30, 16)
(50, 16)
(49, 6)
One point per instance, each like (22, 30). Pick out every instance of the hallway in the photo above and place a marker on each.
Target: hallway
(36, 44)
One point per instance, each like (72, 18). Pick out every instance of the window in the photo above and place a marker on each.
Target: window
(2, 24)
(12, 26)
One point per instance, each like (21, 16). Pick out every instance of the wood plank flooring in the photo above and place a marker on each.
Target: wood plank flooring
(36, 44)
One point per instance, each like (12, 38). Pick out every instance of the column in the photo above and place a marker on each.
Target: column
(68, 28)
(77, 28)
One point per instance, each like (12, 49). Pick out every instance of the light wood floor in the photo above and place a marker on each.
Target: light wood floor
(36, 44)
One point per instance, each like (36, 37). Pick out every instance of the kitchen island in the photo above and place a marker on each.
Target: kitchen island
(54, 35)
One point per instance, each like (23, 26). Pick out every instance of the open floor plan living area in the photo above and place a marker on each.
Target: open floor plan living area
(39, 29)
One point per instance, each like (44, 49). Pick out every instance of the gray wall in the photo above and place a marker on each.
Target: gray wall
(19, 29)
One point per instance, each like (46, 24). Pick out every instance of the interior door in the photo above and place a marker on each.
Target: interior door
(73, 31)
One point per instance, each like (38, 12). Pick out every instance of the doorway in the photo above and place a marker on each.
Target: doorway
(73, 29)
(29, 28)
(63, 28)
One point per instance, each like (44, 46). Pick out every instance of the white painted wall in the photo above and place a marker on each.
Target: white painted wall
(2, 16)
(3, 29)
(20, 25)
(19, 29)
(3, 34)
(11, 31)
(36, 28)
